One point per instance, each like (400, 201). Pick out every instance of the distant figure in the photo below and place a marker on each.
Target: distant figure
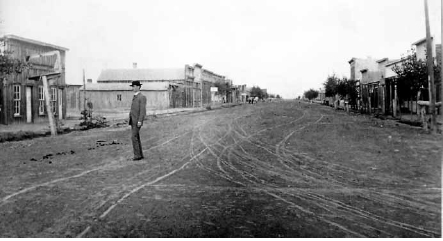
(256, 100)
(136, 117)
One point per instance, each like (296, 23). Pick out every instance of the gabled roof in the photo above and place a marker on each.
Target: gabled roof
(10, 36)
(141, 74)
(125, 86)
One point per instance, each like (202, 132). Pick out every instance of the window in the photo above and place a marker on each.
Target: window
(119, 97)
(17, 98)
(2, 47)
(41, 101)
(54, 100)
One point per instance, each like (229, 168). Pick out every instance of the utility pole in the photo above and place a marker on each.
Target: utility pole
(48, 106)
(84, 92)
(441, 63)
(441, 83)
(430, 64)
(201, 93)
(58, 69)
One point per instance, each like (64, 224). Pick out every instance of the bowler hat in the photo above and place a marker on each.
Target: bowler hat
(136, 83)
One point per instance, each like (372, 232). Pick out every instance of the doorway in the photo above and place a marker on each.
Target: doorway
(28, 104)
(60, 103)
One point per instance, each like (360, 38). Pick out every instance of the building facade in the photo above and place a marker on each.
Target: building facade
(22, 98)
(189, 86)
(73, 105)
(358, 64)
(182, 86)
(207, 79)
(114, 96)
(378, 87)
(242, 93)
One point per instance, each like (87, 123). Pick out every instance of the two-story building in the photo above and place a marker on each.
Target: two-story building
(371, 89)
(242, 93)
(360, 67)
(207, 79)
(22, 98)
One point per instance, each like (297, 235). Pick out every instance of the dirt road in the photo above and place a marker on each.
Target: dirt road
(284, 169)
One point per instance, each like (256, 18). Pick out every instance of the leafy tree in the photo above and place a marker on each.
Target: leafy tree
(331, 85)
(278, 97)
(223, 87)
(257, 92)
(347, 89)
(271, 96)
(411, 76)
(9, 65)
(311, 94)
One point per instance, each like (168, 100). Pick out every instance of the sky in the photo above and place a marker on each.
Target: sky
(284, 46)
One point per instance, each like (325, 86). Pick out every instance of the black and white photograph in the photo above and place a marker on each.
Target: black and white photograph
(221, 119)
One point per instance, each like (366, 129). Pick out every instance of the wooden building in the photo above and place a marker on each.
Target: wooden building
(242, 93)
(114, 96)
(73, 105)
(188, 86)
(21, 95)
(377, 81)
(182, 86)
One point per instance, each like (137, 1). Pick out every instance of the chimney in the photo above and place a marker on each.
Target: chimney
(134, 65)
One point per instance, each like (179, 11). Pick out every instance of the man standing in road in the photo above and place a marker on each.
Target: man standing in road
(136, 116)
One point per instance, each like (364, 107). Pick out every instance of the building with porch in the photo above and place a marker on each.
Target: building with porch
(389, 78)
(358, 67)
(22, 98)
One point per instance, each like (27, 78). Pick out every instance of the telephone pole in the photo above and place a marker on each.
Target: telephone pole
(84, 92)
(430, 64)
(441, 63)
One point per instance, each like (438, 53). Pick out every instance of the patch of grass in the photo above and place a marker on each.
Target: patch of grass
(21, 135)
(25, 135)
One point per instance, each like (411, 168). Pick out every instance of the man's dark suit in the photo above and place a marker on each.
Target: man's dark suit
(137, 114)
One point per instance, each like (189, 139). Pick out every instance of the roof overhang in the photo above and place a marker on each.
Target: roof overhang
(394, 62)
(48, 76)
(382, 60)
(420, 41)
(10, 36)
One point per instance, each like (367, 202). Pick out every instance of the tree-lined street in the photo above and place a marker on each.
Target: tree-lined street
(278, 169)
